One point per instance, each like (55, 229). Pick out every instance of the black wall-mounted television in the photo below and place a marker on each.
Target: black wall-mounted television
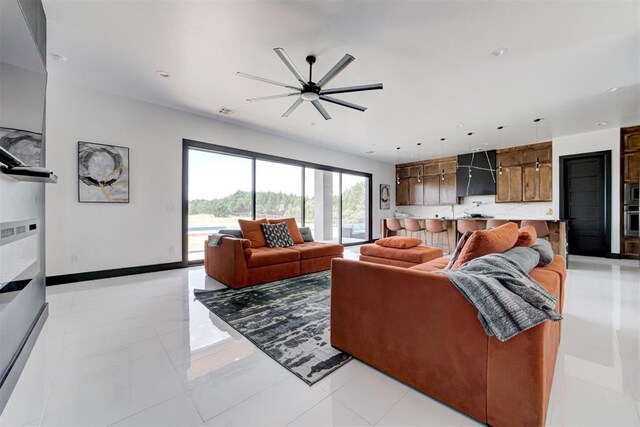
(476, 175)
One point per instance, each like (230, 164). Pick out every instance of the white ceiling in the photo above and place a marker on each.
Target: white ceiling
(433, 58)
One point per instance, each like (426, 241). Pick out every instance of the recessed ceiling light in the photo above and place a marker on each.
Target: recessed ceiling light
(59, 58)
(162, 73)
(370, 152)
(603, 123)
(498, 52)
(460, 125)
(313, 124)
(611, 89)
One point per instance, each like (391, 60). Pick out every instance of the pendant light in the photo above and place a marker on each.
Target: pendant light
(469, 137)
(441, 155)
(499, 147)
(419, 157)
(537, 122)
(397, 162)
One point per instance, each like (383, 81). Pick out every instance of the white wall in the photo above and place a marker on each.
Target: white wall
(83, 237)
(608, 139)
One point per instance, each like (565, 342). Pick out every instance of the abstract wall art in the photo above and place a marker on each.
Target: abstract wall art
(25, 145)
(103, 173)
(385, 196)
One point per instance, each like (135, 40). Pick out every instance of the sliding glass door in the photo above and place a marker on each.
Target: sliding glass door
(220, 193)
(354, 212)
(224, 185)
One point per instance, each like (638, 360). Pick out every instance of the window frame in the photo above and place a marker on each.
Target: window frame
(189, 144)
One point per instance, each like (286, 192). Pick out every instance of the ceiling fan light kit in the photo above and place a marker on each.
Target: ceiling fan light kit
(310, 91)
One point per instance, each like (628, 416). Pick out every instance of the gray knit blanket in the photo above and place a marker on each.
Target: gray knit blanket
(509, 301)
(216, 239)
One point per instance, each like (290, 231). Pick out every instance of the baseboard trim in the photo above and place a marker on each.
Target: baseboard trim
(116, 272)
(12, 374)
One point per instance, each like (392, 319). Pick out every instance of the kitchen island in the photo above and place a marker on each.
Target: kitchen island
(557, 231)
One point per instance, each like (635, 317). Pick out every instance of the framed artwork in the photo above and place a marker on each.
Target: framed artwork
(103, 173)
(24, 145)
(385, 196)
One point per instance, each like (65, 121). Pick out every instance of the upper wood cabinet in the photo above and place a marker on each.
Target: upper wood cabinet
(432, 182)
(524, 174)
(537, 183)
(632, 167)
(416, 177)
(509, 184)
(632, 139)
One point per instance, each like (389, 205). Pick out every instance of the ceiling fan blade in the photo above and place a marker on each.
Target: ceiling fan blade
(262, 79)
(263, 98)
(341, 65)
(343, 103)
(351, 89)
(290, 65)
(293, 107)
(321, 109)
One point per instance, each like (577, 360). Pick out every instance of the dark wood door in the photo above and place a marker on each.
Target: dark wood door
(585, 203)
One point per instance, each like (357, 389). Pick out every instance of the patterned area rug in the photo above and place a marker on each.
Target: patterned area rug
(287, 319)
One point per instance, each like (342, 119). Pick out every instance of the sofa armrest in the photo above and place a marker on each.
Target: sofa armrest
(226, 262)
(414, 325)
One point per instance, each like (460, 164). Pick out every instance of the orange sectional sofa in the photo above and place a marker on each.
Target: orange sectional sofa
(416, 326)
(237, 264)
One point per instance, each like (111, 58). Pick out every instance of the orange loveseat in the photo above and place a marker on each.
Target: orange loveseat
(416, 326)
(237, 264)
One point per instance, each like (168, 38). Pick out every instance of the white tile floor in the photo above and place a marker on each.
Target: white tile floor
(139, 350)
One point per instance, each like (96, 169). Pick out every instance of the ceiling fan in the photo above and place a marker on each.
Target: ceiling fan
(310, 91)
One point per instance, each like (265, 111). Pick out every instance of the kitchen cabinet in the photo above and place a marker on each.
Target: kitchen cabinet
(524, 174)
(632, 247)
(632, 139)
(416, 177)
(537, 183)
(509, 184)
(440, 181)
(632, 167)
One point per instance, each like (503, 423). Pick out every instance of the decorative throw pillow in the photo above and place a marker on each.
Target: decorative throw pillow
(277, 235)
(293, 228)
(484, 242)
(543, 247)
(306, 234)
(458, 249)
(526, 236)
(252, 231)
(399, 242)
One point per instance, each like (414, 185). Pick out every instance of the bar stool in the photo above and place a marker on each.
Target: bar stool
(542, 229)
(393, 224)
(413, 226)
(435, 227)
(493, 223)
(465, 225)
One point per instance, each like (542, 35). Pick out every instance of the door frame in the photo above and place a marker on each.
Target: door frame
(606, 156)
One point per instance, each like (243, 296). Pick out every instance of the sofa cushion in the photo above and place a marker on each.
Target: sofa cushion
(293, 228)
(309, 250)
(399, 242)
(306, 234)
(260, 257)
(415, 255)
(526, 236)
(433, 265)
(483, 242)
(277, 235)
(251, 230)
